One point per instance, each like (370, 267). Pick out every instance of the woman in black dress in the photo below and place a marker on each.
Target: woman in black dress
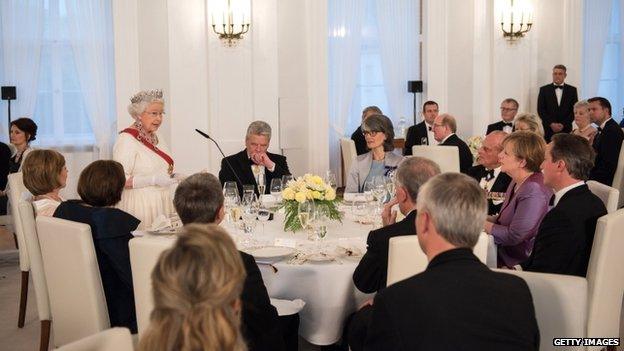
(23, 131)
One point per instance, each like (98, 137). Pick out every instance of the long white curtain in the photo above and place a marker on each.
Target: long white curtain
(398, 22)
(91, 35)
(596, 32)
(22, 32)
(345, 38)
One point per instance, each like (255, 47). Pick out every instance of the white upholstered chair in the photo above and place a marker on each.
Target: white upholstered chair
(446, 156)
(75, 290)
(406, 258)
(609, 196)
(348, 153)
(618, 177)
(27, 216)
(114, 339)
(144, 253)
(16, 188)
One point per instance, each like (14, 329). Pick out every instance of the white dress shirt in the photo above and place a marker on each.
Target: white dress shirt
(559, 93)
(430, 137)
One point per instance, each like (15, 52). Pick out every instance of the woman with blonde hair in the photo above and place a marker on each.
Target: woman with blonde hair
(45, 175)
(196, 287)
(584, 126)
(529, 122)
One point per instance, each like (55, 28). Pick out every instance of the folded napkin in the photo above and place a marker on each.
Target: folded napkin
(287, 307)
(358, 197)
(163, 222)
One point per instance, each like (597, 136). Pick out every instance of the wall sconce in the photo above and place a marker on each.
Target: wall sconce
(516, 20)
(230, 20)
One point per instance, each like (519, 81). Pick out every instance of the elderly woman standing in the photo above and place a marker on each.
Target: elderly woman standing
(379, 134)
(581, 118)
(526, 200)
(146, 161)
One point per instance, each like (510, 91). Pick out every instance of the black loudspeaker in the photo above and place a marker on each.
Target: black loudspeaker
(414, 86)
(8, 93)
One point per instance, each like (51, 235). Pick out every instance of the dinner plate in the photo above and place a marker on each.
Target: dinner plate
(166, 231)
(270, 252)
(320, 257)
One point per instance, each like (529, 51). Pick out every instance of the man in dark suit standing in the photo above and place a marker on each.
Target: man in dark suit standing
(509, 108)
(555, 104)
(371, 273)
(565, 236)
(488, 172)
(444, 128)
(358, 136)
(422, 133)
(607, 142)
(457, 303)
(247, 166)
(199, 199)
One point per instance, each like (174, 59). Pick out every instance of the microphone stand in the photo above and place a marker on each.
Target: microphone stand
(222, 154)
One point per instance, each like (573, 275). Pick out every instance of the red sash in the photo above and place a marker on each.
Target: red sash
(137, 136)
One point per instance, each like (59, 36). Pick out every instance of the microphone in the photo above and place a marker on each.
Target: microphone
(222, 154)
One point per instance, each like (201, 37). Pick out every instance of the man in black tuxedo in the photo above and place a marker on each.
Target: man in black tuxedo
(422, 133)
(371, 273)
(444, 128)
(358, 136)
(607, 142)
(555, 104)
(509, 108)
(488, 172)
(199, 199)
(457, 303)
(254, 161)
(566, 234)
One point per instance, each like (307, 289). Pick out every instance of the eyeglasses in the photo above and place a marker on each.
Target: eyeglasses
(155, 114)
(372, 133)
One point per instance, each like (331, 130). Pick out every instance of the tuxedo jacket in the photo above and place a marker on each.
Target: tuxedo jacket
(371, 273)
(551, 112)
(607, 144)
(360, 141)
(465, 156)
(495, 126)
(414, 136)
(565, 236)
(500, 185)
(457, 303)
(260, 325)
(242, 166)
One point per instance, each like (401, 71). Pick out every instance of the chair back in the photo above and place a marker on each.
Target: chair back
(16, 188)
(74, 284)
(114, 339)
(560, 305)
(618, 177)
(446, 156)
(607, 194)
(348, 153)
(144, 253)
(605, 277)
(406, 258)
(29, 228)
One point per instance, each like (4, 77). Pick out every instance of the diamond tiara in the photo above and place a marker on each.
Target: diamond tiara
(146, 95)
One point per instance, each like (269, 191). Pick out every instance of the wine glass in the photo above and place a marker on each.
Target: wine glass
(285, 179)
(319, 224)
(261, 182)
(264, 214)
(306, 209)
(330, 179)
(379, 189)
(276, 188)
(391, 187)
(367, 189)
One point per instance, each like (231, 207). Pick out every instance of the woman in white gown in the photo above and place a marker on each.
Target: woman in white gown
(146, 161)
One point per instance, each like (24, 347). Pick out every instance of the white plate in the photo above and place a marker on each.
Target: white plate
(270, 252)
(166, 231)
(320, 257)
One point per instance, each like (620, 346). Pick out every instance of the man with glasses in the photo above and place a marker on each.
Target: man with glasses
(508, 108)
(555, 104)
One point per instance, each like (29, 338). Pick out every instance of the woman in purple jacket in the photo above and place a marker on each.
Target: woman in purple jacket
(526, 199)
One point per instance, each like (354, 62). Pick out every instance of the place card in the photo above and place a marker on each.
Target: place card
(286, 242)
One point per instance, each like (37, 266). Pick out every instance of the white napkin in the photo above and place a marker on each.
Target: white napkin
(163, 222)
(287, 307)
(355, 197)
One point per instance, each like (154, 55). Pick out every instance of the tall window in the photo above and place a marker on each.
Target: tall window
(611, 85)
(59, 110)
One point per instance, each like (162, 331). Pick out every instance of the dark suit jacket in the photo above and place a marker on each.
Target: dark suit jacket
(260, 325)
(457, 303)
(414, 136)
(495, 126)
(550, 112)
(565, 236)
(465, 156)
(607, 145)
(242, 165)
(500, 185)
(5, 157)
(360, 141)
(371, 273)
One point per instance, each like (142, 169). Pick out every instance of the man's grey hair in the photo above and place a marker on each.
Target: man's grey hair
(449, 121)
(500, 136)
(457, 206)
(198, 199)
(413, 172)
(259, 128)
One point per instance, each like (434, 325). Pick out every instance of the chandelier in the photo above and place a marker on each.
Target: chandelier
(230, 20)
(516, 20)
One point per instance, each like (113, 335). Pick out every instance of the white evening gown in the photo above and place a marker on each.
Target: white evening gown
(137, 160)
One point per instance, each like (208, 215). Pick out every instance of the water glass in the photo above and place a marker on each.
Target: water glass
(306, 209)
(276, 188)
(247, 189)
(330, 179)
(263, 215)
(285, 179)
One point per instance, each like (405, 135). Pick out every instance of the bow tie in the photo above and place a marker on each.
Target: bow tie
(559, 87)
(489, 175)
(599, 129)
(429, 128)
(508, 124)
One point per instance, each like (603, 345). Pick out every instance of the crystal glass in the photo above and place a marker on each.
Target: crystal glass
(379, 189)
(276, 187)
(264, 214)
(330, 179)
(261, 182)
(285, 179)
(248, 188)
(306, 210)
